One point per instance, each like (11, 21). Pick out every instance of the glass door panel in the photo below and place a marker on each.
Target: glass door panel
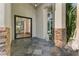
(23, 27)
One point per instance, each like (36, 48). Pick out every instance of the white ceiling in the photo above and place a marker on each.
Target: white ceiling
(45, 5)
(36, 4)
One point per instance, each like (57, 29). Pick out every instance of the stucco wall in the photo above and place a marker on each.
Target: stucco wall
(8, 18)
(2, 14)
(39, 22)
(60, 19)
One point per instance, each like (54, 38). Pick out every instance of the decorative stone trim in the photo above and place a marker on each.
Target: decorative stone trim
(5, 41)
(60, 37)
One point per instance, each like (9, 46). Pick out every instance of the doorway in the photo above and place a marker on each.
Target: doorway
(22, 27)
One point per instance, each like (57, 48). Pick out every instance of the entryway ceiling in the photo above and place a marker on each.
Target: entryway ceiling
(36, 4)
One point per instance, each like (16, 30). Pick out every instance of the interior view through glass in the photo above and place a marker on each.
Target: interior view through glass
(23, 27)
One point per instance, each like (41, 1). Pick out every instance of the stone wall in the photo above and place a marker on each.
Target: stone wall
(5, 43)
(60, 37)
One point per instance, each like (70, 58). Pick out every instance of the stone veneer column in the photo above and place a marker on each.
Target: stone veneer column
(5, 22)
(60, 27)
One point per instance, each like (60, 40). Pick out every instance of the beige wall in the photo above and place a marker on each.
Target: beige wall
(26, 10)
(60, 16)
(8, 18)
(45, 20)
(2, 14)
(39, 22)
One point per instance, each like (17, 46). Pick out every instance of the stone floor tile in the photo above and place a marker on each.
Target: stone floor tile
(38, 47)
(37, 52)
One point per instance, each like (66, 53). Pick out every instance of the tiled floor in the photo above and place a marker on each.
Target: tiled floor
(34, 47)
(37, 47)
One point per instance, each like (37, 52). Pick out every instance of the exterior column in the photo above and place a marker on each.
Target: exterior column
(2, 15)
(45, 20)
(5, 25)
(60, 27)
(77, 24)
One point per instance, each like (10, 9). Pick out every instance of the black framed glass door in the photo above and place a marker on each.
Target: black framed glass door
(22, 27)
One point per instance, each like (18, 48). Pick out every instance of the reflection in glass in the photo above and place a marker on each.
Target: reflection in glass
(23, 27)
